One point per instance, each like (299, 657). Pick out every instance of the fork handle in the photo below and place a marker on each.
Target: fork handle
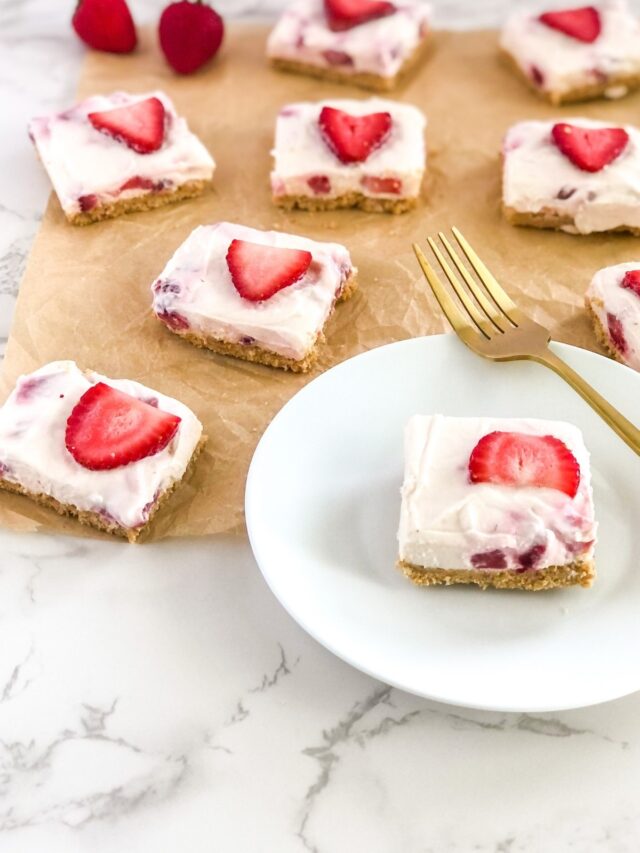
(618, 423)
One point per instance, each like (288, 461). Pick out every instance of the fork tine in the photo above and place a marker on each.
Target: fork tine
(488, 308)
(460, 292)
(504, 303)
(449, 308)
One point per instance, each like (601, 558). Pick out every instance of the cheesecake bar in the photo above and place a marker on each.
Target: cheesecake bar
(349, 153)
(118, 153)
(575, 54)
(262, 296)
(578, 175)
(106, 451)
(367, 43)
(497, 502)
(613, 303)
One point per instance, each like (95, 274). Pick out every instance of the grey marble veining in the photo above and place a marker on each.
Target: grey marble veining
(160, 699)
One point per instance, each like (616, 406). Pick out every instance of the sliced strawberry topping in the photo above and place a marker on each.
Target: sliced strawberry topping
(353, 138)
(390, 186)
(631, 281)
(616, 333)
(344, 14)
(139, 125)
(582, 24)
(518, 459)
(259, 271)
(108, 428)
(589, 148)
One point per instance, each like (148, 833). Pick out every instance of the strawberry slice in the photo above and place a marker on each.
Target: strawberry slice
(108, 428)
(259, 271)
(344, 14)
(353, 138)
(518, 459)
(583, 24)
(631, 281)
(139, 125)
(589, 148)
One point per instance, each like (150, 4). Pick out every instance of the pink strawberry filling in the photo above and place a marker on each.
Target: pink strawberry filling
(536, 75)
(383, 186)
(531, 558)
(87, 202)
(173, 320)
(616, 333)
(337, 57)
(320, 184)
(495, 559)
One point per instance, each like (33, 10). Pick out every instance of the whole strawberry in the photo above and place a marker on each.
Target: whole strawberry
(190, 34)
(105, 25)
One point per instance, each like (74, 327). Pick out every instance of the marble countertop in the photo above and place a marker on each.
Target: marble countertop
(160, 699)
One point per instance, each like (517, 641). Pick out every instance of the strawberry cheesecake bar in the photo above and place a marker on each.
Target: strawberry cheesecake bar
(262, 296)
(578, 53)
(497, 502)
(118, 153)
(347, 153)
(106, 451)
(368, 43)
(578, 175)
(613, 303)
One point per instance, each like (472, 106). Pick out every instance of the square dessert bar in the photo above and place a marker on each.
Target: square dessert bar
(262, 296)
(578, 53)
(347, 153)
(106, 451)
(497, 502)
(366, 43)
(113, 154)
(613, 303)
(578, 175)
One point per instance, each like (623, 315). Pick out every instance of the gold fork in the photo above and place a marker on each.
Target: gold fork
(494, 327)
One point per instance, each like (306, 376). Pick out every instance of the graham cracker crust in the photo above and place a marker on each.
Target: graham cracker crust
(580, 572)
(549, 218)
(94, 519)
(363, 79)
(588, 92)
(352, 199)
(601, 334)
(146, 201)
(258, 355)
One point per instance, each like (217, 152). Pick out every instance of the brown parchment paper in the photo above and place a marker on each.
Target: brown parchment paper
(85, 294)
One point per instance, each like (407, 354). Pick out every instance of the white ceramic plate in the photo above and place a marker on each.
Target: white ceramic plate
(322, 507)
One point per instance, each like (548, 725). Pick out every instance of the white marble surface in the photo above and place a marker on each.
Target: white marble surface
(158, 699)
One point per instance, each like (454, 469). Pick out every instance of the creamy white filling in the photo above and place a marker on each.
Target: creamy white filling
(537, 176)
(560, 63)
(82, 161)
(33, 453)
(196, 286)
(377, 47)
(302, 155)
(607, 296)
(446, 521)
